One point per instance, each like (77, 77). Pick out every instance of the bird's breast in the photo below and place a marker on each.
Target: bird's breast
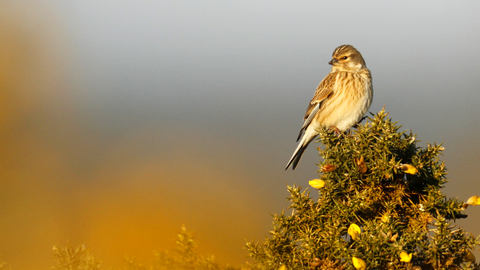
(351, 98)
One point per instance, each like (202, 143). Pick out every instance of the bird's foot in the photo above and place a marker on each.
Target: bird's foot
(336, 130)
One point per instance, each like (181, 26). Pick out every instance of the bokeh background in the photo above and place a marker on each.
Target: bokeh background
(122, 120)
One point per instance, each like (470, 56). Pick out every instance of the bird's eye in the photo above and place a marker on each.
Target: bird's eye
(345, 57)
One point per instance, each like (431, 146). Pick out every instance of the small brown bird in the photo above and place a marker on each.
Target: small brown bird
(341, 99)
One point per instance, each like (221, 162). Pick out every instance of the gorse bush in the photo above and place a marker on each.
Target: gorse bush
(379, 206)
(184, 257)
(69, 258)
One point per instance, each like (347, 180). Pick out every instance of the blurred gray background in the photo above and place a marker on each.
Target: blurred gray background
(122, 120)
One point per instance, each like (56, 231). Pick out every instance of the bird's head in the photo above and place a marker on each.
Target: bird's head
(347, 58)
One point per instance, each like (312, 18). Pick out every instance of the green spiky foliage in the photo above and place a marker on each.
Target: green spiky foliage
(70, 258)
(379, 179)
(184, 257)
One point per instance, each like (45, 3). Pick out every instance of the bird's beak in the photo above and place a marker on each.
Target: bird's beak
(333, 62)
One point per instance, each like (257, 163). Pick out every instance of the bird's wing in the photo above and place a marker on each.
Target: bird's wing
(324, 90)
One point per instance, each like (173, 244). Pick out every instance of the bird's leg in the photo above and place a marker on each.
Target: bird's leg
(336, 130)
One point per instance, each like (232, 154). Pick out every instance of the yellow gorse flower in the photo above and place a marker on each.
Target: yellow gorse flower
(316, 183)
(407, 168)
(359, 263)
(283, 267)
(354, 231)
(405, 257)
(385, 218)
(474, 200)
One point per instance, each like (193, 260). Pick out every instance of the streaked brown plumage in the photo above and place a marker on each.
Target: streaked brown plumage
(341, 99)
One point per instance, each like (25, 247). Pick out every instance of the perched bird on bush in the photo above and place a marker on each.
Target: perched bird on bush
(341, 99)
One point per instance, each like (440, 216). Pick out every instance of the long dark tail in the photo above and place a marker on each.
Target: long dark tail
(297, 155)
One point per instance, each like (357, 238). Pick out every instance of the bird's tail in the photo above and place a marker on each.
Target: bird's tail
(297, 155)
